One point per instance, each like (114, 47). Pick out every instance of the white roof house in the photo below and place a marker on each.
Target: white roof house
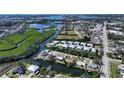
(64, 45)
(93, 49)
(89, 45)
(121, 67)
(71, 46)
(59, 58)
(55, 42)
(70, 42)
(33, 68)
(93, 66)
(116, 32)
(63, 42)
(83, 44)
(86, 48)
(80, 63)
(76, 43)
(117, 28)
(79, 47)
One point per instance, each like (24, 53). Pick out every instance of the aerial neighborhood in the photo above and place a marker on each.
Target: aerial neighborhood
(62, 46)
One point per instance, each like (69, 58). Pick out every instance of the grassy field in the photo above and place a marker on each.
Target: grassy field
(72, 33)
(33, 37)
(68, 35)
(114, 70)
(5, 45)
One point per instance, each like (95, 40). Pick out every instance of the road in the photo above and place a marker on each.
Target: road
(106, 65)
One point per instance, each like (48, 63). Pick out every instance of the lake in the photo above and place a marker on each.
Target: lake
(40, 27)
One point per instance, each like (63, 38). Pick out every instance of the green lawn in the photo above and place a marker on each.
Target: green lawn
(114, 70)
(32, 35)
(11, 41)
(5, 45)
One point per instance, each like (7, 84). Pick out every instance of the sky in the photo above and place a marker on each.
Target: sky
(60, 6)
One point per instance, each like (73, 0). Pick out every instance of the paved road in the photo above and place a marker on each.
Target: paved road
(106, 67)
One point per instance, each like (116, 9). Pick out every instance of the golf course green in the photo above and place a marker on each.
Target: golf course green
(18, 45)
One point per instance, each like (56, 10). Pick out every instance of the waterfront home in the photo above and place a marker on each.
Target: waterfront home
(33, 68)
(60, 58)
(19, 70)
(92, 67)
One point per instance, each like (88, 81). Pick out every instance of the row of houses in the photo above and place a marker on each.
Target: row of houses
(116, 32)
(73, 45)
(63, 58)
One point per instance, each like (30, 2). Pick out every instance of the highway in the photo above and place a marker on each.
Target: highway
(106, 65)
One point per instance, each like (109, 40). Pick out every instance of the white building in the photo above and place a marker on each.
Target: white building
(89, 45)
(83, 44)
(86, 48)
(93, 49)
(72, 46)
(70, 42)
(76, 43)
(63, 42)
(33, 68)
(116, 32)
(79, 47)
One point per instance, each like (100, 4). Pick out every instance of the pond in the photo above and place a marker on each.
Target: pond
(40, 27)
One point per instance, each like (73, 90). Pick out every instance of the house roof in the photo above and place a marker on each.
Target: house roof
(63, 42)
(71, 46)
(33, 68)
(90, 45)
(86, 48)
(79, 47)
(83, 44)
(93, 49)
(59, 57)
(121, 67)
(77, 43)
(64, 45)
(94, 66)
(55, 42)
(70, 42)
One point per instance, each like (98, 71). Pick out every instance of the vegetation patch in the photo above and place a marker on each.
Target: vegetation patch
(114, 70)
(27, 42)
